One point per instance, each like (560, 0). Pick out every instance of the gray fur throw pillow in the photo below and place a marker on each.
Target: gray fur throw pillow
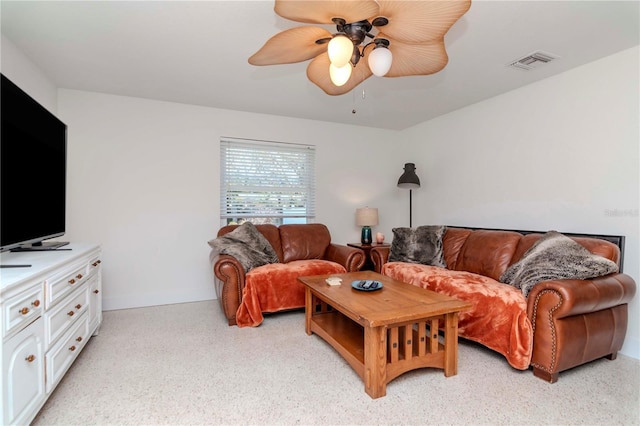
(246, 244)
(420, 245)
(555, 256)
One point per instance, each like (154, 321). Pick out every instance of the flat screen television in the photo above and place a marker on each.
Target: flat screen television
(33, 169)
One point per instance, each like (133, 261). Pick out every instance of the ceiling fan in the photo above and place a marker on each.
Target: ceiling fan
(409, 39)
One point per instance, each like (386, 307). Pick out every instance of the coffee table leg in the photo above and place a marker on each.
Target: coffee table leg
(375, 361)
(308, 310)
(451, 344)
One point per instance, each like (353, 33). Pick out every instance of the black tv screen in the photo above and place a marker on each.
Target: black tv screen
(33, 155)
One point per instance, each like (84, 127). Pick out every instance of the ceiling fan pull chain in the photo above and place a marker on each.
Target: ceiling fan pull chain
(353, 111)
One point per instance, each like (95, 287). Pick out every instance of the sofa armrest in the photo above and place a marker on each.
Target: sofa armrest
(230, 282)
(574, 297)
(379, 256)
(350, 257)
(577, 321)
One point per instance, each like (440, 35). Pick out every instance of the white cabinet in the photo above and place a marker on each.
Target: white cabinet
(50, 309)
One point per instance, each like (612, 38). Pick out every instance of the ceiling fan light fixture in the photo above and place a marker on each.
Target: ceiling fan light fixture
(380, 60)
(416, 29)
(340, 50)
(340, 75)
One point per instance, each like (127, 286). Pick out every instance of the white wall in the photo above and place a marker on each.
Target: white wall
(143, 181)
(559, 154)
(26, 75)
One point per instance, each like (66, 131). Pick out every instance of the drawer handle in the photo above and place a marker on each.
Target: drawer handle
(79, 339)
(72, 281)
(24, 311)
(30, 358)
(78, 306)
(79, 276)
(36, 303)
(70, 313)
(96, 291)
(72, 348)
(96, 263)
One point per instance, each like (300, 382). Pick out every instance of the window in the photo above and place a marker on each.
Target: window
(266, 182)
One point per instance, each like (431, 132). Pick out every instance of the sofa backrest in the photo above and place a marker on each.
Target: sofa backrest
(294, 241)
(491, 252)
(304, 241)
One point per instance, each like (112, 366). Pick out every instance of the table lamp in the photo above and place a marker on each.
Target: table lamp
(366, 217)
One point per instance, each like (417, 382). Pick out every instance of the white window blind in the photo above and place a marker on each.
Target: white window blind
(266, 182)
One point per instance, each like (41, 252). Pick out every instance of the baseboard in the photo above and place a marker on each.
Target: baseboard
(631, 348)
(156, 299)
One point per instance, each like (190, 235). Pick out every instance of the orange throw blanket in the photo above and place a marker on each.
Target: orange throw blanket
(498, 318)
(275, 287)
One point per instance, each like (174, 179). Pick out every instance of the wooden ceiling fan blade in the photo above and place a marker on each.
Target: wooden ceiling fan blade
(318, 74)
(291, 46)
(417, 59)
(323, 11)
(420, 21)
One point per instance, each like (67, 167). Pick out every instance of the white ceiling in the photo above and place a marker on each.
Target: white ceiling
(196, 52)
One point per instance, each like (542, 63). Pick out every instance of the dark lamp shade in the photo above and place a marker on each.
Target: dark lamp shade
(409, 179)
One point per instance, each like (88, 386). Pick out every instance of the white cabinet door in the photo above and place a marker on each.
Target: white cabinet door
(95, 303)
(23, 359)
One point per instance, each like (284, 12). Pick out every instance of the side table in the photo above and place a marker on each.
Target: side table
(368, 264)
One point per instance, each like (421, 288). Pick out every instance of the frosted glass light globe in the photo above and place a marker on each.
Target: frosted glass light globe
(339, 75)
(340, 50)
(380, 61)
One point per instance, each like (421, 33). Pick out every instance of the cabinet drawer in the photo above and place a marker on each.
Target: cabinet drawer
(60, 318)
(94, 264)
(22, 309)
(63, 353)
(63, 283)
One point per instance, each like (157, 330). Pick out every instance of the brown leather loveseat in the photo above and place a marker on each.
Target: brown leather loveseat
(302, 249)
(561, 324)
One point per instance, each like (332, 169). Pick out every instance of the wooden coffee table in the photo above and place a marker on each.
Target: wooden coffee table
(384, 333)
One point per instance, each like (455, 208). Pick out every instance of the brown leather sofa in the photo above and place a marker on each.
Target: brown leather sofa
(560, 325)
(302, 249)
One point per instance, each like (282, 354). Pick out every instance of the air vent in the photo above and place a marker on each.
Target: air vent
(533, 60)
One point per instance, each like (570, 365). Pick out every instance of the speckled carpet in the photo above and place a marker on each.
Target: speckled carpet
(181, 364)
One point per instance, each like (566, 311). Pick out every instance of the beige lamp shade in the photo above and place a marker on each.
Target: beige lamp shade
(366, 216)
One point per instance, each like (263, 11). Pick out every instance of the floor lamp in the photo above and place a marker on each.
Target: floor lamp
(409, 180)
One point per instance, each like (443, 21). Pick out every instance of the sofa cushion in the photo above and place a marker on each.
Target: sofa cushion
(453, 240)
(246, 244)
(420, 245)
(555, 256)
(487, 252)
(275, 287)
(498, 318)
(304, 241)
